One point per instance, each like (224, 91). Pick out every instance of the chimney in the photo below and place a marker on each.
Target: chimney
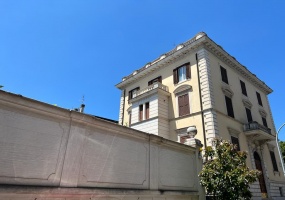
(81, 109)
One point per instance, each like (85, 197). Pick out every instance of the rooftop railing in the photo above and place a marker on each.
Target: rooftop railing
(151, 87)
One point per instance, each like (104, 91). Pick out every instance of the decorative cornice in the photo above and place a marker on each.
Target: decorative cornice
(247, 103)
(227, 91)
(262, 112)
(201, 39)
(182, 88)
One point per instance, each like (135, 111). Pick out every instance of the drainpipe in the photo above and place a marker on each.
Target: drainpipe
(201, 107)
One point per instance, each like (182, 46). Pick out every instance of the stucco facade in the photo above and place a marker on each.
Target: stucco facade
(199, 84)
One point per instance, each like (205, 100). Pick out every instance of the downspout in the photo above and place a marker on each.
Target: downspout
(201, 107)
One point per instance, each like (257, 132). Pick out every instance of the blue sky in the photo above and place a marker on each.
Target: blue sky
(56, 51)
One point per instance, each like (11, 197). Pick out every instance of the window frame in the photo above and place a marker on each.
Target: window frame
(243, 88)
(155, 80)
(187, 73)
(185, 111)
(224, 74)
(131, 93)
(235, 141)
(259, 99)
(248, 114)
(146, 111)
(264, 121)
(140, 113)
(273, 161)
(229, 106)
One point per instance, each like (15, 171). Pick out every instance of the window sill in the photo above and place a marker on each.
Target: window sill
(182, 82)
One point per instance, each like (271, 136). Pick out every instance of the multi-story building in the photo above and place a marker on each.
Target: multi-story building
(199, 84)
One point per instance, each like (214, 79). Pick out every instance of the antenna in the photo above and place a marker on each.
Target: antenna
(82, 100)
(82, 106)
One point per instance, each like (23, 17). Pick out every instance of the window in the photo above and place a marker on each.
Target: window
(183, 104)
(229, 105)
(248, 114)
(243, 88)
(224, 75)
(130, 118)
(181, 73)
(273, 159)
(264, 121)
(147, 110)
(259, 98)
(157, 79)
(133, 93)
(141, 112)
(235, 142)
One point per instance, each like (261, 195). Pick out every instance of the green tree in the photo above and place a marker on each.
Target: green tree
(282, 149)
(225, 174)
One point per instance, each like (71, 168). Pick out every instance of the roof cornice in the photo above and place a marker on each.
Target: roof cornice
(200, 40)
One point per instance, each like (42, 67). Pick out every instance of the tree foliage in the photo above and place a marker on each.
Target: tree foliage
(282, 149)
(225, 174)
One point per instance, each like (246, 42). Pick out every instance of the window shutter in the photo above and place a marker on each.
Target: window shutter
(186, 104)
(175, 76)
(183, 105)
(147, 110)
(188, 71)
(180, 105)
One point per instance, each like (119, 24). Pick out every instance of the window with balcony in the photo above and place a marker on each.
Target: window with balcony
(259, 99)
(243, 88)
(133, 92)
(248, 114)
(181, 73)
(183, 104)
(224, 75)
(229, 105)
(155, 80)
(273, 159)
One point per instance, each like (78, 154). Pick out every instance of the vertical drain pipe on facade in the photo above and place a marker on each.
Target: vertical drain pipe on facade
(201, 106)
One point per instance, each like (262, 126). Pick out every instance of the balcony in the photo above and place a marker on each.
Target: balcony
(258, 131)
(151, 89)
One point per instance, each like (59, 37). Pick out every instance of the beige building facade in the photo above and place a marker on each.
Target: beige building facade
(199, 84)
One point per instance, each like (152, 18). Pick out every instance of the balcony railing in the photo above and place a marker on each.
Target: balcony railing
(151, 87)
(256, 126)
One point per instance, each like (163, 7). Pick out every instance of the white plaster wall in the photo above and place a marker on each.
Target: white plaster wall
(43, 145)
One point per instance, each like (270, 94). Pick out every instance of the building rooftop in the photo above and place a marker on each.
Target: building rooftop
(200, 39)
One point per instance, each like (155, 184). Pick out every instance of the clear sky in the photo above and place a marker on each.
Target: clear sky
(56, 51)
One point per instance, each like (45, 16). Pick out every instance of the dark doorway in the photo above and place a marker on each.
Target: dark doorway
(261, 177)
